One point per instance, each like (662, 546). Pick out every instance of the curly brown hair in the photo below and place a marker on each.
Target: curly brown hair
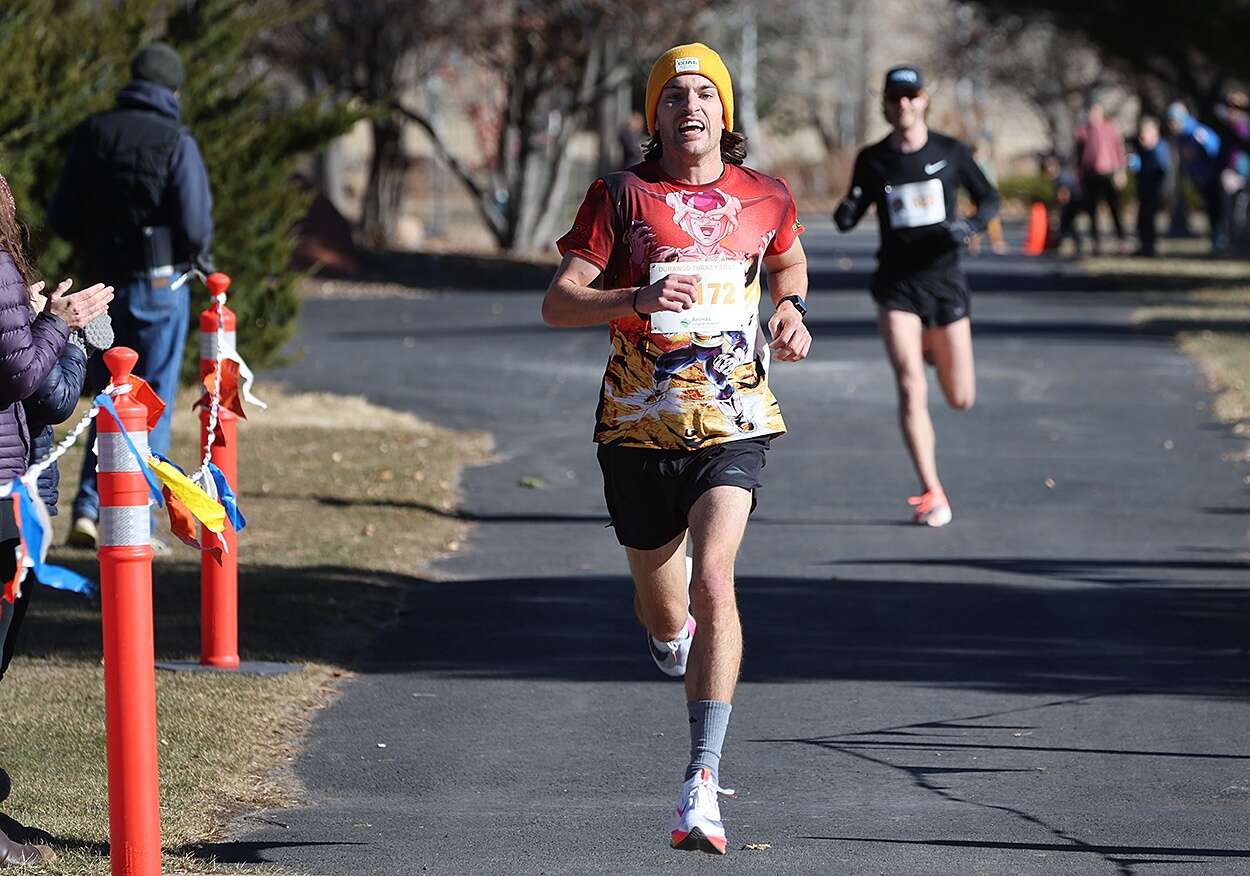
(13, 234)
(733, 147)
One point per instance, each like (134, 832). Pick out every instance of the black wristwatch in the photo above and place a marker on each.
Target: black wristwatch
(797, 300)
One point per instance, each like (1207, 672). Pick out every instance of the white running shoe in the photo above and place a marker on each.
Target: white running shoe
(696, 822)
(671, 657)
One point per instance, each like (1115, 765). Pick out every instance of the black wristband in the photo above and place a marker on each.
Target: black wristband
(640, 314)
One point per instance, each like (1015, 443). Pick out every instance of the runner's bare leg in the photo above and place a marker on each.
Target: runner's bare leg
(661, 598)
(951, 346)
(718, 521)
(903, 334)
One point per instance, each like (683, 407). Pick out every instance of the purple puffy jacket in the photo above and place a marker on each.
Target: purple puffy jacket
(29, 347)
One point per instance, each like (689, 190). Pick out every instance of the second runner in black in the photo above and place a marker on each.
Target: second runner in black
(913, 176)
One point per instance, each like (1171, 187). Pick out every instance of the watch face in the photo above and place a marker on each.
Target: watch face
(799, 304)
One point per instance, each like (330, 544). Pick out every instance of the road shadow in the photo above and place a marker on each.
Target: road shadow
(326, 614)
(927, 626)
(912, 750)
(1168, 627)
(251, 852)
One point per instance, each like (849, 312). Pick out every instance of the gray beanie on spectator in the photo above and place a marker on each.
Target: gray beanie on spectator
(158, 63)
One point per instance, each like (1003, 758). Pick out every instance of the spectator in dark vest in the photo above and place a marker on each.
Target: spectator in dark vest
(134, 199)
(1152, 163)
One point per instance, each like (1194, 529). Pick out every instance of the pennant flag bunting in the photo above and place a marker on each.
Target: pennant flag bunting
(245, 374)
(225, 495)
(36, 535)
(190, 495)
(154, 487)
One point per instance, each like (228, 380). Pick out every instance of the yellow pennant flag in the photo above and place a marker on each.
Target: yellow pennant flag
(202, 506)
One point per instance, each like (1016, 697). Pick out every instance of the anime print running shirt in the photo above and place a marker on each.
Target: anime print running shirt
(670, 386)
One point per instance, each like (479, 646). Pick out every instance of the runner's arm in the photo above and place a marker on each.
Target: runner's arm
(982, 192)
(787, 275)
(571, 302)
(855, 204)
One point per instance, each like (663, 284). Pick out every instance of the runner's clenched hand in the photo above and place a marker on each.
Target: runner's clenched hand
(676, 292)
(791, 339)
(80, 308)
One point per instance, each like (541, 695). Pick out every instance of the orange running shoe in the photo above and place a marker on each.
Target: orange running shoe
(932, 509)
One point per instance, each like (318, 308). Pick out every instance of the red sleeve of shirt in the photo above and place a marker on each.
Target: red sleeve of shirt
(789, 229)
(594, 230)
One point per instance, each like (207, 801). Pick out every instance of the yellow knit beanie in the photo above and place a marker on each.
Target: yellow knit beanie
(691, 58)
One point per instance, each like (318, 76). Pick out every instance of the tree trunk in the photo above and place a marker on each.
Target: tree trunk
(384, 194)
(610, 116)
(746, 109)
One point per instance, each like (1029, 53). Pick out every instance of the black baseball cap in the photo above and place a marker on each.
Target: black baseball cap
(904, 79)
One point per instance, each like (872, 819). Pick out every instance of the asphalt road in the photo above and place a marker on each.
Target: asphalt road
(1054, 684)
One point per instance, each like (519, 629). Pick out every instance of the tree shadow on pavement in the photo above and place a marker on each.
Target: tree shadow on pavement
(324, 614)
(250, 852)
(1157, 635)
(1172, 627)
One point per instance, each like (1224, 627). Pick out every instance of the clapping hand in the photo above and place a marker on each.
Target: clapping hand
(79, 308)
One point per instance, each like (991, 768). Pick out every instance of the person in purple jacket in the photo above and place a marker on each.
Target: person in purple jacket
(30, 345)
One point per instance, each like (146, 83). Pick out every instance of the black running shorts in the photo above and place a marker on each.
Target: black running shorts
(937, 300)
(650, 492)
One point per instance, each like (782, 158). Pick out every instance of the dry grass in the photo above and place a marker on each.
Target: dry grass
(1206, 302)
(341, 512)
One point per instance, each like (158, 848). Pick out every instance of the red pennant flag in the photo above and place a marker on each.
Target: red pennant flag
(182, 523)
(141, 392)
(229, 387)
(12, 587)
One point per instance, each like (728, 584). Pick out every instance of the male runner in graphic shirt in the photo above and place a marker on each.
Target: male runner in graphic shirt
(685, 414)
(920, 289)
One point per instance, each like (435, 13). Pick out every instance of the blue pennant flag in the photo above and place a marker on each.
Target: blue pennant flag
(225, 495)
(36, 530)
(154, 486)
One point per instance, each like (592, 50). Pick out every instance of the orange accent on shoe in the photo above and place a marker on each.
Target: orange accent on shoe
(718, 842)
(927, 502)
(679, 837)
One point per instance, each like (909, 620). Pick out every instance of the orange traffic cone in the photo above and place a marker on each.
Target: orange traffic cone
(1035, 243)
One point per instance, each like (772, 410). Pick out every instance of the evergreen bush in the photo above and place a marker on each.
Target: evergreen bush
(61, 60)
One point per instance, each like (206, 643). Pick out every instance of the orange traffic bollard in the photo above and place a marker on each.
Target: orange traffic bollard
(126, 604)
(219, 577)
(1035, 242)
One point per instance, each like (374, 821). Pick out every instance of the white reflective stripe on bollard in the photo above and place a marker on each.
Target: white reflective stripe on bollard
(115, 456)
(125, 526)
(208, 344)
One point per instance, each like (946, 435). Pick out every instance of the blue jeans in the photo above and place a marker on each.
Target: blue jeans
(152, 322)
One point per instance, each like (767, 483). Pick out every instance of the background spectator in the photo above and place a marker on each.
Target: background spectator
(1200, 162)
(134, 199)
(1151, 162)
(1100, 161)
(1067, 188)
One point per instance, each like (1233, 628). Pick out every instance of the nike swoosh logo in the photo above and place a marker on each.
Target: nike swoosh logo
(660, 654)
(735, 470)
(934, 168)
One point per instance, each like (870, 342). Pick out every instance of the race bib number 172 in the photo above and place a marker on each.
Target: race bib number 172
(720, 304)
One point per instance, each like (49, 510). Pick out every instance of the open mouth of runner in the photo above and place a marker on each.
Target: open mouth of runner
(690, 130)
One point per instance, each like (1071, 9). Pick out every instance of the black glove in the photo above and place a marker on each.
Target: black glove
(960, 231)
(844, 216)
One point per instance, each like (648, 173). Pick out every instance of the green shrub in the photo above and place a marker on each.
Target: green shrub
(1027, 188)
(63, 59)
